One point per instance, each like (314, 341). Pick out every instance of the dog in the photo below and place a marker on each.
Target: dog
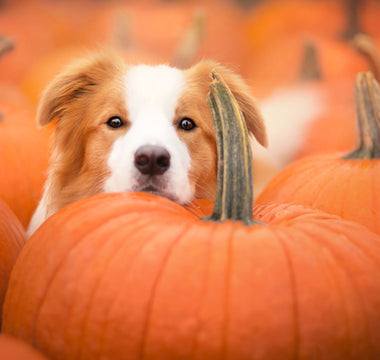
(144, 128)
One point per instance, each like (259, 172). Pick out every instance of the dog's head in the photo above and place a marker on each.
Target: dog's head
(136, 128)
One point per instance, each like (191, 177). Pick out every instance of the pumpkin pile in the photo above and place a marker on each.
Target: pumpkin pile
(294, 273)
(146, 278)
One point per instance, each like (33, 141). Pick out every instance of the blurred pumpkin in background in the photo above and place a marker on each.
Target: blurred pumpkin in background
(345, 185)
(12, 239)
(24, 152)
(276, 34)
(333, 130)
(24, 155)
(35, 31)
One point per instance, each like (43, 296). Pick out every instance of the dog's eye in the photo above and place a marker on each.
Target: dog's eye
(187, 124)
(115, 122)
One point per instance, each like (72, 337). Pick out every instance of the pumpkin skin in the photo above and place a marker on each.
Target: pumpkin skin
(12, 239)
(135, 275)
(347, 188)
(14, 349)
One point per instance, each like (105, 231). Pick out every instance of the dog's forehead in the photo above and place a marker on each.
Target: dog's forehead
(158, 86)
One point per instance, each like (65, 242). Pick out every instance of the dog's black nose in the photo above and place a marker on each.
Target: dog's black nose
(152, 160)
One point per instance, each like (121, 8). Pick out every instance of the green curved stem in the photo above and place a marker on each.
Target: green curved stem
(234, 198)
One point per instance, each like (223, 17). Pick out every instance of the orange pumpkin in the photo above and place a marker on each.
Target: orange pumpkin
(344, 185)
(278, 29)
(12, 239)
(40, 28)
(14, 349)
(23, 151)
(137, 276)
(23, 160)
(340, 107)
(158, 27)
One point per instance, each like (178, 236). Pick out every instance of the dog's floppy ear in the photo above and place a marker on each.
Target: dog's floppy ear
(76, 81)
(241, 91)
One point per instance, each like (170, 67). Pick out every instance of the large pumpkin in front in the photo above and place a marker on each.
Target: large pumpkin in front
(136, 276)
(130, 276)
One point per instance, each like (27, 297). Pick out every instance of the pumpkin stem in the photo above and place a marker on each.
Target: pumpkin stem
(122, 33)
(5, 45)
(366, 46)
(352, 12)
(310, 67)
(191, 41)
(234, 194)
(367, 101)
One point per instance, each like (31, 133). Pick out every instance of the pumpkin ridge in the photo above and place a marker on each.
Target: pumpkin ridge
(11, 228)
(293, 288)
(117, 298)
(301, 166)
(376, 264)
(116, 234)
(203, 292)
(308, 169)
(375, 200)
(352, 183)
(354, 285)
(95, 228)
(331, 170)
(27, 249)
(321, 174)
(369, 254)
(227, 295)
(337, 288)
(149, 312)
(54, 273)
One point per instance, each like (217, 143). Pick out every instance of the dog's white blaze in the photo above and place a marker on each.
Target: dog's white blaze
(152, 94)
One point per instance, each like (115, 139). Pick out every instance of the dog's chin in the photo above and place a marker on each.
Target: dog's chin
(151, 189)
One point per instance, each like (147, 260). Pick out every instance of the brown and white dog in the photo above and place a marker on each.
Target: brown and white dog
(134, 128)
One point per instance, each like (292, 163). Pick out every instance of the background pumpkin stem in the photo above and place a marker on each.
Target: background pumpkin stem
(191, 41)
(122, 33)
(352, 8)
(367, 101)
(5, 45)
(366, 46)
(234, 198)
(310, 67)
